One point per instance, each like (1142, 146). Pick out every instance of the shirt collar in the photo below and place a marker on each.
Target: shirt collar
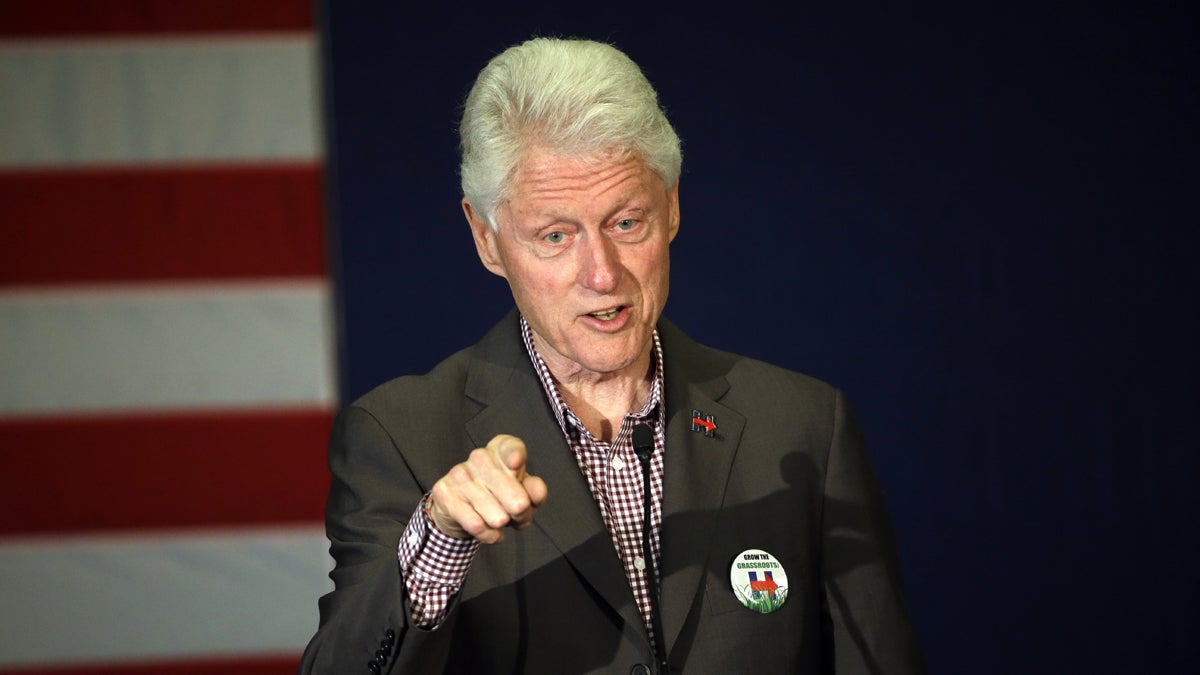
(566, 417)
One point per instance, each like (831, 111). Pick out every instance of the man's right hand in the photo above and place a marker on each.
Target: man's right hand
(488, 492)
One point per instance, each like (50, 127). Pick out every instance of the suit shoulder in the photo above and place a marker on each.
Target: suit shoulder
(415, 394)
(748, 373)
(758, 385)
(751, 381)
(747, 369)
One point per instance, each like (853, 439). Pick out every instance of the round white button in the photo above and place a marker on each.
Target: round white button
(759, 581)
(618, 463)
(639, 563)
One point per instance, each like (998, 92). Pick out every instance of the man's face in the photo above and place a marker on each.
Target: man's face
(584, 246)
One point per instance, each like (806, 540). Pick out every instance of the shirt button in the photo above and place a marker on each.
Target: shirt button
(618, 463)
(639, 563)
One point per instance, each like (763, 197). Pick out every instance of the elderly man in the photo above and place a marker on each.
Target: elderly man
(586, 489)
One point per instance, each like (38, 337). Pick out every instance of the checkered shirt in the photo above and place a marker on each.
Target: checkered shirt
(614, 473)
(434, 565)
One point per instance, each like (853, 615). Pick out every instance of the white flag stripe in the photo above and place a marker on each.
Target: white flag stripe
(151, 100)
(147, 347)
(204, 594)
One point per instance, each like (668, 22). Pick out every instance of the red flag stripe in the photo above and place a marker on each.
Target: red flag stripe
(243, 665)
(42, 18)
(171, 471)
(163, 223)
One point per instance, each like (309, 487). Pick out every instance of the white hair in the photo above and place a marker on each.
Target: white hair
(573, 97)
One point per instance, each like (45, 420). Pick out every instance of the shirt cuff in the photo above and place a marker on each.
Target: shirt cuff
(433, 566)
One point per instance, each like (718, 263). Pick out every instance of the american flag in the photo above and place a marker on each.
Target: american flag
(166, 343)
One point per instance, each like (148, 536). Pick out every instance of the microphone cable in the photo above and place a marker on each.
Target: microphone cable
(643, 447)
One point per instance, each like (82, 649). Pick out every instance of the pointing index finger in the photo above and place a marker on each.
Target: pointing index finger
(510, 452)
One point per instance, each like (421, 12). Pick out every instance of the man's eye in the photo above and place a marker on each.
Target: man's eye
(626, 225)
(556, 237)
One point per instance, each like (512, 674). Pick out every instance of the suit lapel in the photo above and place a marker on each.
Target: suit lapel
(696, 469)
(502, 380)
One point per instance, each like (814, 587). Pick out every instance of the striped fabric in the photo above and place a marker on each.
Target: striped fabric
(167, 373)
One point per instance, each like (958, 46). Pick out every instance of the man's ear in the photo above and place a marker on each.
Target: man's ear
(485, 240)
(673, 210)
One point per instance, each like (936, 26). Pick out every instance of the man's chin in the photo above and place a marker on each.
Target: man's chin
(605, 360)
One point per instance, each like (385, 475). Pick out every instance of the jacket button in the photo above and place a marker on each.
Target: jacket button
(380, 657)
(639, 669)
(390, 636)
(373, 667)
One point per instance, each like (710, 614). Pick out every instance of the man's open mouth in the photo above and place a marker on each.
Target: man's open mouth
(606, 314)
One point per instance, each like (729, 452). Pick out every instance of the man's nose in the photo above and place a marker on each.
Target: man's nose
(602, 265)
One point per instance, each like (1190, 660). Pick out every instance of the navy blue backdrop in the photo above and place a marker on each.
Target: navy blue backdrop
(977, 219)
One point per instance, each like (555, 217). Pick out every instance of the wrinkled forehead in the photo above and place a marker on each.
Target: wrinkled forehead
(539, 159)
(550, 180)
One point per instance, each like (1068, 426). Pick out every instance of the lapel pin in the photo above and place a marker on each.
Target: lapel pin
(705, 423)
(759, 581)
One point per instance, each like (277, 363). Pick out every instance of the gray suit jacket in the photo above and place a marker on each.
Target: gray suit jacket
(786, 472)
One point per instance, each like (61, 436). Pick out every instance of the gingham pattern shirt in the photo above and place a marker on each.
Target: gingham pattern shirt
(614, 472)
(435, 565)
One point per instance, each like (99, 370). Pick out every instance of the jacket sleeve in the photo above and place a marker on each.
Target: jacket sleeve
(867, 620)
(364, 626)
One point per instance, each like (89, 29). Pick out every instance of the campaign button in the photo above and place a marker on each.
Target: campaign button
(759, 582)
